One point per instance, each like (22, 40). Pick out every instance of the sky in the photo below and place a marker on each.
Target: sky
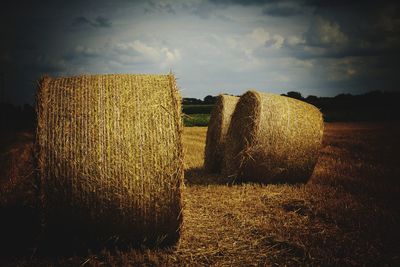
(320, 48)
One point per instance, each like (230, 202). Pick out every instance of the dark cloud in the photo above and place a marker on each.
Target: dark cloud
(102, 22)
(325, 33)
(316, 3)
(44, 64)
(79, 21)
(346, 30)
(244, 2)
(83, 52)
(155, 6)
(345, 3)
(65, 36)
(282, 10)
(26, 46)
(203, 10)
(98, 22)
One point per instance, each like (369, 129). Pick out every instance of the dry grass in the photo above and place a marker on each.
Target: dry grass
(346, 215)
(19, 220)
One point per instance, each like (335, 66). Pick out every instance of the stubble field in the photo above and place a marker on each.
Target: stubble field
(347, 214)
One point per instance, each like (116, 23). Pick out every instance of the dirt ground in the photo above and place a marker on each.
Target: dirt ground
(346, 215)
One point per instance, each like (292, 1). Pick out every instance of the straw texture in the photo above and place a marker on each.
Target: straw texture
(272, 138)
(110, 156)
(216, 133)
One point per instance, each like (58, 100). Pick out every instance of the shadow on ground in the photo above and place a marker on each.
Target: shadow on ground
(199, 176)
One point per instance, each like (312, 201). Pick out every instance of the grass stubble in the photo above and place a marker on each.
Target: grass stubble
(347, 214)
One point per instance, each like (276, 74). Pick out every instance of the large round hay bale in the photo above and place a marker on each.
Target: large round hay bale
(272, 138)
(110, 156)
(216, 133)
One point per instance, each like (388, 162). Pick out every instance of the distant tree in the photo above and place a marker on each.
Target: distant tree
(294, 94)
(210, 99)
(312, 98)
(376, 93)
(191, 101)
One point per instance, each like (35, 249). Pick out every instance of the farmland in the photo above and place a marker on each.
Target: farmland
(196, 120)
(196, 115)
(347, 214)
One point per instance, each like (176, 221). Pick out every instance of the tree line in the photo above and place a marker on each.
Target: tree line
(371, 106)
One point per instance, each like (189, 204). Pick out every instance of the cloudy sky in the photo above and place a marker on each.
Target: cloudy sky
(321, 48)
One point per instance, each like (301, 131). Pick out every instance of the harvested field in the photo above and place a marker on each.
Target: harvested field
(346, 215)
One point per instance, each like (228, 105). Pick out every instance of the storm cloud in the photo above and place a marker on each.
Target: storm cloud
(99, 21)
(213, 46)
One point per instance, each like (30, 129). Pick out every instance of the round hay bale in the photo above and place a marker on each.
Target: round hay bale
(110, 158)
(272, 138)
(216, 133)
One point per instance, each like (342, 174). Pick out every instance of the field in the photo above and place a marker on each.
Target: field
(196, 120)
(348, 214)
(196, 115)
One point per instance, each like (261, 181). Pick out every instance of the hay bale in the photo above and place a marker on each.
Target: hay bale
(216, 133)
(110, 156)
(272, 138)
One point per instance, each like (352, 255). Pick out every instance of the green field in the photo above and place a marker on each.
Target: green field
(196, 115)
(196, 120)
